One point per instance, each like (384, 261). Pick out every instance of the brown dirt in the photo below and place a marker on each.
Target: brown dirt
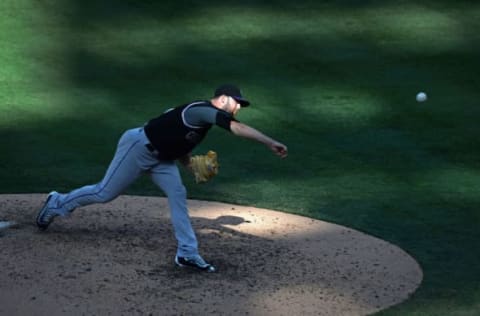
(117, 259)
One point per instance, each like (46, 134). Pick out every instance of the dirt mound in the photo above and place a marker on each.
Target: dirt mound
(117, 259)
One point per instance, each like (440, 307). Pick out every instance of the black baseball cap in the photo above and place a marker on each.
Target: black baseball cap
(232, 91)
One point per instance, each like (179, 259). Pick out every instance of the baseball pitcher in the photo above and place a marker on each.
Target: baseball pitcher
(154, 148)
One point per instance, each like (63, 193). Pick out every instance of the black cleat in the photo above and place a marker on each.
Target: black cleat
(46, 215)
(196, 262)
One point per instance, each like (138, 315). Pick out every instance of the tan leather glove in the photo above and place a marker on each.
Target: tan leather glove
(204, 167)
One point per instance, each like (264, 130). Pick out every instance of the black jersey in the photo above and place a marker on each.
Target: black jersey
(173, 137)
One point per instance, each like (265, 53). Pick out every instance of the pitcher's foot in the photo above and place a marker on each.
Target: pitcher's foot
(196, 262)
(46, 215)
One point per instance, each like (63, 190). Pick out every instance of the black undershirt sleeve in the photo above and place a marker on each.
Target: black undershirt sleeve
(223, 120)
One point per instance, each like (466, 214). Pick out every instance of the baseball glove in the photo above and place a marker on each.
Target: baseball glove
(204, 167)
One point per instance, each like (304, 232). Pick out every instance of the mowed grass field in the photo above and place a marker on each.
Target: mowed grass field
(334, 80)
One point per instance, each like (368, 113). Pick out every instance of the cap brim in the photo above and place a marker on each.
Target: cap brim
(242, 101)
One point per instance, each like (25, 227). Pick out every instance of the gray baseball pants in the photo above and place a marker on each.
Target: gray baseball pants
(131, 160)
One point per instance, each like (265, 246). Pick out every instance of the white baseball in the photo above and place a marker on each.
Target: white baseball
(421, 97)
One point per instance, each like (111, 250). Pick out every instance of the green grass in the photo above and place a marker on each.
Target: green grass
(334, 80)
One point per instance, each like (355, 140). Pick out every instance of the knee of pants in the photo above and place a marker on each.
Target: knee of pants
(177, 192)
(104, 196)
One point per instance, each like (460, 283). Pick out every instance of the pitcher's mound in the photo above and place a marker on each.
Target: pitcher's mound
(118, 259)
